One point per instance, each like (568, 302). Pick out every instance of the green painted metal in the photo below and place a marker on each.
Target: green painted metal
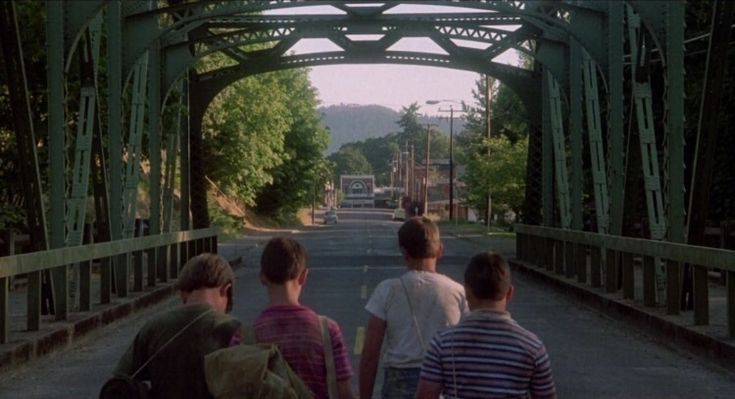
(683, 253)
(560, 152)
(594, 133)
(114, 117)
(649, 151)
(674, 149)
(38, 261)
(172, 148)
(615, 132)
(185, 223)
(675, 96)
(134, 149)
(547, 147)
(57, 150)
(562, 36)
(154, 137)
(576, 141)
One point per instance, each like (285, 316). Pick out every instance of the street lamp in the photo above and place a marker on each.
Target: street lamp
(451, 150)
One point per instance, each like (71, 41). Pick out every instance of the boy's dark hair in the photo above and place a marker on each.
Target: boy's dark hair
(487, 276)
(282, 260)
(419, 237)
(205, 271)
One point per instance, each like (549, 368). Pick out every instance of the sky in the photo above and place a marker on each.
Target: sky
(390, 85)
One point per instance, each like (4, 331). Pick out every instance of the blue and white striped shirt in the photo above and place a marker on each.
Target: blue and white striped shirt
(488, 355)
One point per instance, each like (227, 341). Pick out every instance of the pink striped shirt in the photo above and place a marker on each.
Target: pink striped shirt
(296, 331)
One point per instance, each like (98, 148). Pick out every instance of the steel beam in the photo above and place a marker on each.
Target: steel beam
(615, 119)
(57, 150)
(12, 57)
(154, 136)
(547, 149)
(594, 132)
(560, 152)
(643, 100)
(576, 182)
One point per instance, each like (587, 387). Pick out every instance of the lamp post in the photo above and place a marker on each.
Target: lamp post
(451, 150)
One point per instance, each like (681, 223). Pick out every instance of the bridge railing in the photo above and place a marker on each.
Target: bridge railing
(163, 255)
(570, 252)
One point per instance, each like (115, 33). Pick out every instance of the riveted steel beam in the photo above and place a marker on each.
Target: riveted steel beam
(560, 151)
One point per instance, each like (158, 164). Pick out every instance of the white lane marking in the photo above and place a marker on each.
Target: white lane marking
(363, 292)
(365, 269)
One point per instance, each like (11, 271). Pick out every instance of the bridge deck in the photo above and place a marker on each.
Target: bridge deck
(592, 355)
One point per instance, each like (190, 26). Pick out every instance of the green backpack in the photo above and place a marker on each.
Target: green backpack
(252, 371)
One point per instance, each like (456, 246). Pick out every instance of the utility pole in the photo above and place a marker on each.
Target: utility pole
(488, 116)
(426, 169)
(451, 163)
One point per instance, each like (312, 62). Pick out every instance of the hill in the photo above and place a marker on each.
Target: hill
(350, 122)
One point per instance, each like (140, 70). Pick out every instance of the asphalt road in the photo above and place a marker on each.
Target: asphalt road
(592, 356)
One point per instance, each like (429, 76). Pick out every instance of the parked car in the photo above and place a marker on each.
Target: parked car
(330, 216)
(399, 214)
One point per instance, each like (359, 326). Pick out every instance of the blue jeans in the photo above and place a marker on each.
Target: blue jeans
(400, 383)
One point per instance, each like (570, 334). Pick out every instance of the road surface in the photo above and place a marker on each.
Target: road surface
(592, 356)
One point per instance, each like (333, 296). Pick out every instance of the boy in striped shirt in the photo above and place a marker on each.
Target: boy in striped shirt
(296, 328)
(487, 355)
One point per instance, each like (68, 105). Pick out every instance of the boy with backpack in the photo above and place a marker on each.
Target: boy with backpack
(312, 345)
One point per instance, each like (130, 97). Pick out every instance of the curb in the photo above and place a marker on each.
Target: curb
(677, 336)
(65, 333)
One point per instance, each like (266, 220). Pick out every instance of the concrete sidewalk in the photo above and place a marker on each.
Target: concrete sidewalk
(24, 346)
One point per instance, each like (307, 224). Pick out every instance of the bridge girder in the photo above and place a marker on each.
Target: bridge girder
(257, 35)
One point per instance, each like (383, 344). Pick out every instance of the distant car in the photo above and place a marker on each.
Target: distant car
(399, 214)
(330, 216)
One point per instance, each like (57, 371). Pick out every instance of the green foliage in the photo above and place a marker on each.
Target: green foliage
(303, 165)
(350, 161)
(244, 134)
(503, 173)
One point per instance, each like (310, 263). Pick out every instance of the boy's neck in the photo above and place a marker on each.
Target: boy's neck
(286, 294)
(422, 265)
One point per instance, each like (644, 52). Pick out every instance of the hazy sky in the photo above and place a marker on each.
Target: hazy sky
(393, 86)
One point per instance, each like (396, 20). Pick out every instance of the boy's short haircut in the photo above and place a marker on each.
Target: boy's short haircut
(487, 276)
(205, 271)
(419, 237)
(282, 260)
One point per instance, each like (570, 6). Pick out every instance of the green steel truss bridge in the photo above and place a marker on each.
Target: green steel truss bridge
(575, 94)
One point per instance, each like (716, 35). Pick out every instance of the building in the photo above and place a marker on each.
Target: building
(358, 191)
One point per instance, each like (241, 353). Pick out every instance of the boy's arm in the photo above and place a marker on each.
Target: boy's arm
(371, 355)
(542, 382)
(344, 390)
(428, 389)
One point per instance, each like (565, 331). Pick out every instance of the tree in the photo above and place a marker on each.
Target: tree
(486, 173)
(503, 173)
(303, 164)
(244, 133)
(350, 161)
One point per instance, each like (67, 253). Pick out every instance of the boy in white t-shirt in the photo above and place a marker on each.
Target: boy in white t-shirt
(405, 312)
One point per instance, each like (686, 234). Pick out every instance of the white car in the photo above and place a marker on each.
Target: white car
(330, 216)
(399, 214)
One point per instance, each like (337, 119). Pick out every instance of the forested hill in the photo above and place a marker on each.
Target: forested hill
(349, 123)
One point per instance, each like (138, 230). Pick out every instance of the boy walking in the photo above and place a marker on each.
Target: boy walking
(407, 311)
(296, 329)
(488, 354)
(169, 350)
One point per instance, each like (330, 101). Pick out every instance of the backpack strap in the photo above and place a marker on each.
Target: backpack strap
(329, 358)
